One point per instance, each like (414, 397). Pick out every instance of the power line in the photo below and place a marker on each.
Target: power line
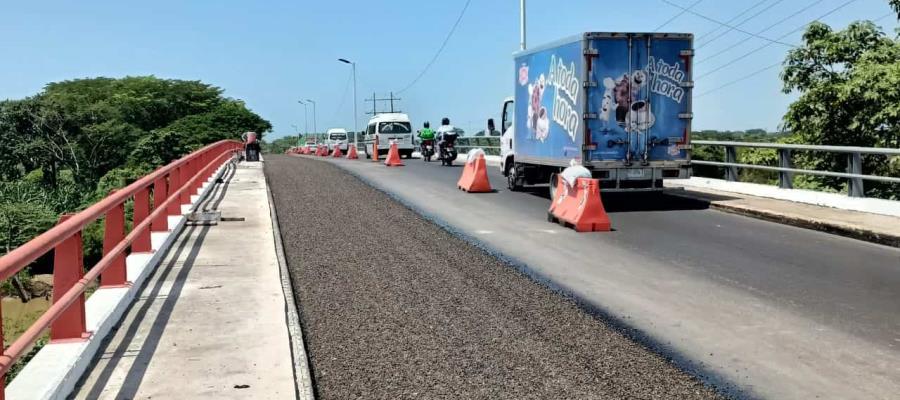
(676, 16)
(440, 49)
(742, 23)
(743, 78)
(884, 16)
(745, 55)
(716, 29)
(724, 24)
(766, 29)
(761, 70)
(343, 98)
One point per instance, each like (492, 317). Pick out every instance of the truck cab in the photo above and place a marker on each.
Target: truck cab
(507, 155)
(386, 128)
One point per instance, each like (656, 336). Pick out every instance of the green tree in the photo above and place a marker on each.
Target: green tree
(228, 120)
(280, 145)
(849, 86)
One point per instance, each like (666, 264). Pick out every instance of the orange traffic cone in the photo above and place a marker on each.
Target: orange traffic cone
(351, 153)
(474, 177)
(580, 206)
(393, 156)
(337, 152)
(324, 151)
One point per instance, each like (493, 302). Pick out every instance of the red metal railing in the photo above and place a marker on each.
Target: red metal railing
(172, 187)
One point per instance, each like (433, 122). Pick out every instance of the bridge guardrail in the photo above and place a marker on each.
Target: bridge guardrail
(172, 186)
(490, 144)
(786, 168)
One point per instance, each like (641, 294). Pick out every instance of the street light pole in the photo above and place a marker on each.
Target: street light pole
(298, 133)
(315, 129)
(521, 24)
(355, 128)
(305, 119)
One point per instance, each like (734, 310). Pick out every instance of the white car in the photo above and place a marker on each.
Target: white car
(386, 128)
(336, 137)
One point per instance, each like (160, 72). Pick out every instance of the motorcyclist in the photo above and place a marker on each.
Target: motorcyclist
(446, 133)
(425, 135)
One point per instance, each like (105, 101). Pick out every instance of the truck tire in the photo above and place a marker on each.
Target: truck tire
(514, 178)
(554, 180)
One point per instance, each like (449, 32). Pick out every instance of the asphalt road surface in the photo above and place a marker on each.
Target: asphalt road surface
(395, 307)
(771, 310)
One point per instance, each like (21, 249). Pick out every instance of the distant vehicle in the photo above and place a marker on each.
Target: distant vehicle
(389, 127)
(311, 146)
(426, 149)
(336, 137)
(446, 136)
(618, 104)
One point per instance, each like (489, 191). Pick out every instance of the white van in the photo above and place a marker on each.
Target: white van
(336, 137)
(389, 127)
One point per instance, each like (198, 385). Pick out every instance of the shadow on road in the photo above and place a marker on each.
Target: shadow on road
(616, 202)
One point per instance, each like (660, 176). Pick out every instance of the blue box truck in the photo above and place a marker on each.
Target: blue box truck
(618, 104)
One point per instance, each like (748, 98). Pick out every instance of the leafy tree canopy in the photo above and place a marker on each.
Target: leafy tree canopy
(849, 86)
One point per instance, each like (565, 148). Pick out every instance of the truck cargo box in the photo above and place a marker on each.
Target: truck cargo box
(619, 101)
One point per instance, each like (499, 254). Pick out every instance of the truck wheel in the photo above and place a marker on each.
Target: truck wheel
(554, 180)
(513, 180)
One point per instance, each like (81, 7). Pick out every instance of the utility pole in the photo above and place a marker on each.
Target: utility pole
(375, 101)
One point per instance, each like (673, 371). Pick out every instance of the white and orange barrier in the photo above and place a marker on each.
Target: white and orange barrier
(474, 177)
(579, 205)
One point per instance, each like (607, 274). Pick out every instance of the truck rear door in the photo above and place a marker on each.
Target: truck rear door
(640, 101)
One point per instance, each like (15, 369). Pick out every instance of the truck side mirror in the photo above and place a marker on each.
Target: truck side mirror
(491, 127)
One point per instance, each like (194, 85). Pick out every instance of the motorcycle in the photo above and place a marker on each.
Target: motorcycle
(447, 149)
(427, 149)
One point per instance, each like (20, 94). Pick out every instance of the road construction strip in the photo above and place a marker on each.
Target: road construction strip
(393, 306)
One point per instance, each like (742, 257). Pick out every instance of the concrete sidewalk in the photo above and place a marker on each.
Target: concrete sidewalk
(210, 322)
(876, 228)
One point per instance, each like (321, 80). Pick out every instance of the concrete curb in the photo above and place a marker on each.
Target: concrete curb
(867, 205)
(56, 369)
(302, 375)
(822, 226)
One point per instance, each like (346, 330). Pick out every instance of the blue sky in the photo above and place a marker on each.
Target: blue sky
(272, 53)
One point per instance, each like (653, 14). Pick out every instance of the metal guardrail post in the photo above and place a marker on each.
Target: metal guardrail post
(854, 166)
(141, 212)
(785, 178)
(160, 189)
(113, 233)
(731, 172)
(68, 269)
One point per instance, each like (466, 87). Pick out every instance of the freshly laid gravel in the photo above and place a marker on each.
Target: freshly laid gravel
(395, 307)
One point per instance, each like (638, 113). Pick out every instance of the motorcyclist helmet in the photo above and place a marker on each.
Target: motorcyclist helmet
(445, 121)
(427, 125)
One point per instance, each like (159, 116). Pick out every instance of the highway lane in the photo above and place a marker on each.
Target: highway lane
(386, 313)
(778, 311)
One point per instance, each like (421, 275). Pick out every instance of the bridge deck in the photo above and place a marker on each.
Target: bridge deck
(776, 310)
(210, 322)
